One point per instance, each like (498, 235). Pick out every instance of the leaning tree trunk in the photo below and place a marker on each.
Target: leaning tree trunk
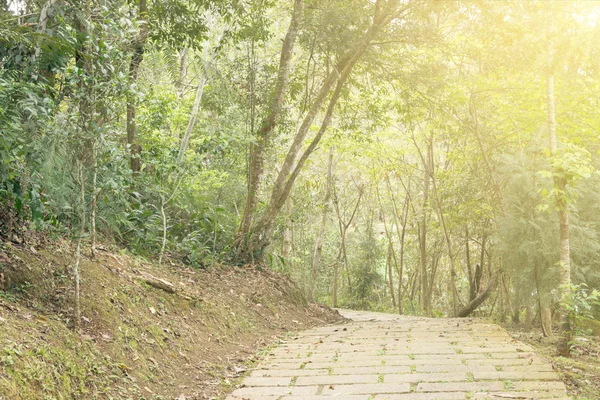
(193, 116)
(476, 302)
(321, 237)
(134, 66)
(294, 161)
(257, 150)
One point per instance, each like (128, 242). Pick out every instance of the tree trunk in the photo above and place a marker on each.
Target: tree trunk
(94, 203)
(528, 318)
(343, 226)
(257, 150)
(193, 116)
(164, 228)
(565, 252)
(134, 66)
(41, 30)
(321, 237)
(286, 250)
(479, 267)
(448, 241)
(390, 271)
(476, 302)
(292, 164)
(401, 264)
(472, 291)
(401, 235)
(76, 277)
(423, 245)
(182, 72)
(543, 305)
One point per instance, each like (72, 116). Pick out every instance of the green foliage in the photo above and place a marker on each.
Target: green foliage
(583, 303)
(439, 139)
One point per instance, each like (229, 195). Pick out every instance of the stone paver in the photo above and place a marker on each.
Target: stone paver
(384, 356)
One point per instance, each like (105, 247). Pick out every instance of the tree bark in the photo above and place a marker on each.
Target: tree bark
(134, 66)
(292, 164)
(390, 270)
(472, 292)
(560, 185)
(41, 29)
(401, 235)
(423, 245)
(321, 237)
(194, 114)
(257, 150)
(286, 250)
(543, 305)
(182, 72)
(343, 226)
(476, 302)
(76, 276)
(94, 203)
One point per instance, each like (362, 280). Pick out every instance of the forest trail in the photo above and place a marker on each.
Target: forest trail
(386, 356)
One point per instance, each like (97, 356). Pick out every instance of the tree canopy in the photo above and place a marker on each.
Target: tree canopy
(427, 157)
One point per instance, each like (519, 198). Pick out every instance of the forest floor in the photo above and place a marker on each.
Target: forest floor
(148, 331)
(580, 372)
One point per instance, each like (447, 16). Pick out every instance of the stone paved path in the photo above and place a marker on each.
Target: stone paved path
(385, 356)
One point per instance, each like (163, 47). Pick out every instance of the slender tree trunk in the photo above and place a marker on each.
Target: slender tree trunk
(182, 72)
(336, 273)
(423, 245)
(134, 66)
(401, 264)
(343, 226)
(193, 116)
(516, 309)
(401, 235)
(76, 277)
(543, 305)
(472, 292)
(429, 167)
(565, 252)
(528, 318)
(479, 267)
(321, 237)
(391, 261)
(257, 150)
(41, 29)
(164, 228)
(390, 252)
(94, 203)
(286, 251)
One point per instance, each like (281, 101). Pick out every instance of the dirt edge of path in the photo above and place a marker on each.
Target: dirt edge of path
(148, 331)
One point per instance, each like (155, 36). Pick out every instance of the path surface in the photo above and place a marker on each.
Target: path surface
(385, 356)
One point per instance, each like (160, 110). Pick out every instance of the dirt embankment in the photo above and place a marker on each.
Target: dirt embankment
(148, 331)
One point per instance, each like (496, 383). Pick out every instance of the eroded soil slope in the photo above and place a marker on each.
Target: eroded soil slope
(149, 332)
